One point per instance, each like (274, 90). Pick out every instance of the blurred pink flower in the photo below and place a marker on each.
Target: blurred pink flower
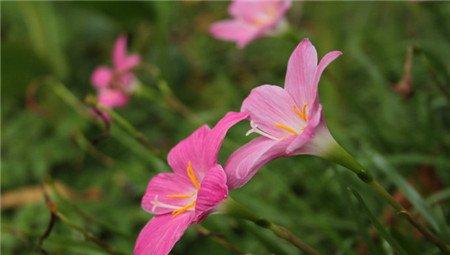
(186, 196)
(289, 120)
(251, 19)
(114, 85)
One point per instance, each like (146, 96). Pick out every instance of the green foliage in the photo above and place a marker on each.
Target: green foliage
(50, 49)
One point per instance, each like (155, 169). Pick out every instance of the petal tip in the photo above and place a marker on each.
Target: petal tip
(213, 29)
(305, 41)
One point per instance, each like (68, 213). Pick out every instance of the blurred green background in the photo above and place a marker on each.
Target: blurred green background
(97, 176)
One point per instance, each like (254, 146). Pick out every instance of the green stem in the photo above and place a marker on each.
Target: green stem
(218, 239)
(340, 156)
(56, 214)
(147, 151)
(170, 98)
(66, 95)
(237, 210)
(86, 234)
(409, 217)
(126, 125)
(88, 147)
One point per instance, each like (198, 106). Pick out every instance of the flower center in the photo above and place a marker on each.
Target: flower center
(191, 205)
(302, 114)
(183, 209)
(264, 18)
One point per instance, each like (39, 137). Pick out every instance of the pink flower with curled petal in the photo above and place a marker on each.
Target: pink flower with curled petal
(186, 196)
(251, 19)
(115, 85)
(289, 120)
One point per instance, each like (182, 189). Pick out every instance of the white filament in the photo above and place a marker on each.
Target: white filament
(159, 204)
(255, 129)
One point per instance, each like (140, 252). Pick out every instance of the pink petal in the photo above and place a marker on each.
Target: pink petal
(244, 9)
(162, 232)
(112, 98)
(121, 60)
(119, 55)
(300, 74)
(269, 105)
(234, 30)
(217, 135)
(191, 149)
(250, 11)
(201, 148)
(161, 188)
(243, 164)
(101, 77)
(131, 62)
(213, 190)
(282, 6)
(126, 81)
(324, 62)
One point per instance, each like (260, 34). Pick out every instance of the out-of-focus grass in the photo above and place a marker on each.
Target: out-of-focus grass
(393, 136)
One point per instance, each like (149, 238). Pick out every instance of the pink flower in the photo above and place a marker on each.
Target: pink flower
(114, 85)
(252, 19)
(289, 119)
(186, 196)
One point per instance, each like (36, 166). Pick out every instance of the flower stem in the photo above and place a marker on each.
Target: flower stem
(340, 156)
(218, 239)
(168, 95)
(237, 210)
(411, 219)
(121, 134)
(57, 215)
(125, 124)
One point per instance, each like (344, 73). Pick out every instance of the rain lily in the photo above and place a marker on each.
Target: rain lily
(115, 84)
(289, 120)
(186, 196)
(251, 19)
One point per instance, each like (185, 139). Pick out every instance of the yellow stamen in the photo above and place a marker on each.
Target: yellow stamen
(301, 113)
(183, 209)
(179, 196)
(192, 176)
(286, 128)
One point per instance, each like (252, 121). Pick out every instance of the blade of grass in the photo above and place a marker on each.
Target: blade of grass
(413, 196)
(122, 136)
(44, 33)
(383, 232)
(440, 196)
(137, 148)
(353, 210)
